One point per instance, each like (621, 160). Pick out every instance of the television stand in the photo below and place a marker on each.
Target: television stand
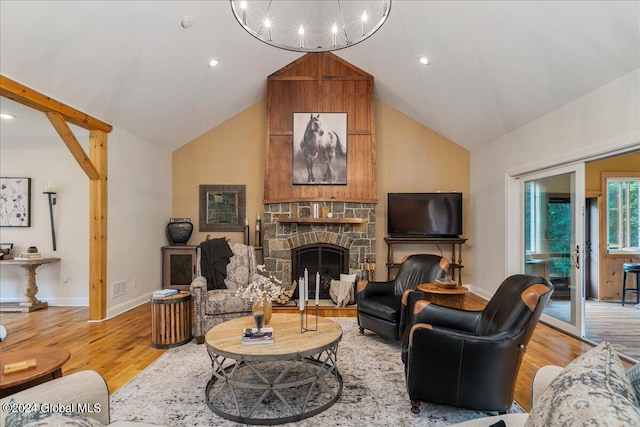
(455, 260)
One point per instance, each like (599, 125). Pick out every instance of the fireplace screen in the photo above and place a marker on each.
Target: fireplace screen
(329, 260)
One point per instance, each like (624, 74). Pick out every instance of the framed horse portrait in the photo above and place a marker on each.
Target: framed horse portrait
(319, 149)
(222, 207)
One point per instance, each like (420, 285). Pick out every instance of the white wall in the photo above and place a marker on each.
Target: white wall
(607, 119)
(139, 207)
(63, 283)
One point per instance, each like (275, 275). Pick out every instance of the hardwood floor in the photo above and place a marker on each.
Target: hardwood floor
(119, 348)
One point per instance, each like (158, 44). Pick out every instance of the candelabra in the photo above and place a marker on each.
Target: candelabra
(304, 318)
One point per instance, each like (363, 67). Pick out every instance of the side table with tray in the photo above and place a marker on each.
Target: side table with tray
(444, 292)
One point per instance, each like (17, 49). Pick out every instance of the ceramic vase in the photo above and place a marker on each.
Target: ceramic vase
(179, 232)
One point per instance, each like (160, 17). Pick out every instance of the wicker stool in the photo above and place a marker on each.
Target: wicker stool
(631, 267)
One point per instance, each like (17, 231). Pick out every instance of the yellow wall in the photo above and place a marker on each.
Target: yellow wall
(623, 163)
(410, 158)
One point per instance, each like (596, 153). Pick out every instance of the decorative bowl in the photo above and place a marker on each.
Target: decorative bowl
(446, 283)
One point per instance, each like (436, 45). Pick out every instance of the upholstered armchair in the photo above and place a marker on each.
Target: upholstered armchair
(218, 305)
(379, 306)
(470, 359)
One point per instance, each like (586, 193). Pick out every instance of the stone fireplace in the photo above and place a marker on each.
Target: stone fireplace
(293, 241)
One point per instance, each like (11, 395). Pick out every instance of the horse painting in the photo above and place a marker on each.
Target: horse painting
(322, 147)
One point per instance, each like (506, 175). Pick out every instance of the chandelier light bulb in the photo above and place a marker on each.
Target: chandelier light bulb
(334, 31)
(267, 25)
(243, 6)
(301, 32)
(364, 19)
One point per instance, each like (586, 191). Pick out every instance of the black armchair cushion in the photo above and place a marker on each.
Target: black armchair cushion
(386, 307)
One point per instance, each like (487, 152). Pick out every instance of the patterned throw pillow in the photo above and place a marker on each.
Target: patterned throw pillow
(634, 378)
(591, 390)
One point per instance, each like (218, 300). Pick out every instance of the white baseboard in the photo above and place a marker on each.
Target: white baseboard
(127, 305)
(479, 291)
(56, 302)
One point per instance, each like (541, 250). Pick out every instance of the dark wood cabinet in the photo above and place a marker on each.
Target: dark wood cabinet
(178, 266)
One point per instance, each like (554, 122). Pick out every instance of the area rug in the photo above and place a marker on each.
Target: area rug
(171, 391)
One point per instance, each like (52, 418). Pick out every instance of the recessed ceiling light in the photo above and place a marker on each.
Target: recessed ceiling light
(424, 60)
(5, 116)
(213, 63)
(187, 22)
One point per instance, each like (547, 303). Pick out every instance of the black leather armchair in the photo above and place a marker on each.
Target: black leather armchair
(379, 303)
(470, 359)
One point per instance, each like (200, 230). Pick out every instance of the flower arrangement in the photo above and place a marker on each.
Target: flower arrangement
(263, 287)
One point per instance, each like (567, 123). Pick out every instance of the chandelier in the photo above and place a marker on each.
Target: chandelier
(311, 25)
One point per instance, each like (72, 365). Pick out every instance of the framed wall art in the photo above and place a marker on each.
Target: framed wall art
(319, 149)
(15, 202)
(222, 207)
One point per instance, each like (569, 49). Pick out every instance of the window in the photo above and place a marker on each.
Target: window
(623, 205)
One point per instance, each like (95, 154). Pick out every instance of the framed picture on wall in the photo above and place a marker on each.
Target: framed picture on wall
(222, 207)
(319, 149)
(15, 202)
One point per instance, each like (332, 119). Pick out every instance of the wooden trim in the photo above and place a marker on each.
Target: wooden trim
(98, 227)
(38, 101)
(61, 126)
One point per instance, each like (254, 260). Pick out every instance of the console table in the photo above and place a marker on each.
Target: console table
(29, 302)
(455, 260)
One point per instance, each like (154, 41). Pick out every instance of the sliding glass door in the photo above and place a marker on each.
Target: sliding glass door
(553, 209)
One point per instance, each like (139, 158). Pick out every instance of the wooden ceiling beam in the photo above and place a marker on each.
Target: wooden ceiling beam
(38, 101)
(70, 140)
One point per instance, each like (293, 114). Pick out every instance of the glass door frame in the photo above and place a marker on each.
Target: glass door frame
(515, 237)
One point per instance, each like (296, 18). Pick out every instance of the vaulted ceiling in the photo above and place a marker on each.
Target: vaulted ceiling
(495, 65)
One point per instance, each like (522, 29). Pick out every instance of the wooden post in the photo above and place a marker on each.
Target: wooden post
(98, 227)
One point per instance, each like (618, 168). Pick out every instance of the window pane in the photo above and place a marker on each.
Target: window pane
(623, 230)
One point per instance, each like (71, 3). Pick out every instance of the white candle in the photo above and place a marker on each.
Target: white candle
(317, 288)
(300, 294)
(49, 187)
(306, 284)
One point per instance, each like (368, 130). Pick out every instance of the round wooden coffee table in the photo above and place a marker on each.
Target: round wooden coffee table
(293, 378)
(450, 297)
(49, 361)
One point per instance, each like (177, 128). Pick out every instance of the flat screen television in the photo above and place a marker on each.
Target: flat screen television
(424, 214)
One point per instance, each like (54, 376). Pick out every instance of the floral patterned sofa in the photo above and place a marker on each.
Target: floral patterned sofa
(216, 306)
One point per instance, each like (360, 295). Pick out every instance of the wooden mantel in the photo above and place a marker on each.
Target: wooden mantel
(319, 220)
(95, 167)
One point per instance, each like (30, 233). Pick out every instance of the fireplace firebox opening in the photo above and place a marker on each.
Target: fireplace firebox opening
(327, 259)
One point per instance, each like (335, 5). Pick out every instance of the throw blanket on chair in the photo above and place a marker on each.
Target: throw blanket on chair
(214, 257)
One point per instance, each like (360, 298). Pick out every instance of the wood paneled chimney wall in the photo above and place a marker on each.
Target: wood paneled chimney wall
(320, 82)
